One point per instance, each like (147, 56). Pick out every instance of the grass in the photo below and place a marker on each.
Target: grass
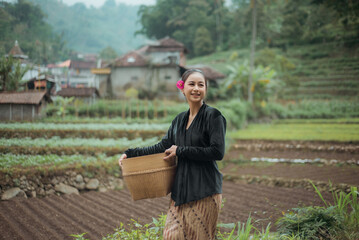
(310, 131)
(326, 121)
(9, 160)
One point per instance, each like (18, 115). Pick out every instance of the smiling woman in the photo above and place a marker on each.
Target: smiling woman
(197, 138)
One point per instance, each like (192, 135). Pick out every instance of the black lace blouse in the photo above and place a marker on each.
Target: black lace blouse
(198, 148)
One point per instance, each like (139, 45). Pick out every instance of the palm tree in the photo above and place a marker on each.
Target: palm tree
(11, 73)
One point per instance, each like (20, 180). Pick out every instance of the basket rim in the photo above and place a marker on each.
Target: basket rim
(150, 171)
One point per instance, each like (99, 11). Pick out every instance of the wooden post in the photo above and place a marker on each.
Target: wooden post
(130, 109)
(138, 109)
(146, 109)
(165, 108)
(154, 109)
(123, 114)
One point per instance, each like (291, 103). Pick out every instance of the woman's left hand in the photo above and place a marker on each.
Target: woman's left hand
(170, 153)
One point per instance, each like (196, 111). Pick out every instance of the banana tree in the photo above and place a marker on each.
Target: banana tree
(264, 83)
(61, 104)
(11, 73)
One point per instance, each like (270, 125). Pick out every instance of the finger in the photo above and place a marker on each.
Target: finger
(166, 158)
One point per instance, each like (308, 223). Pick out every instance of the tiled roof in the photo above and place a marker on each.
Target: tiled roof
(82, 65)
(78, 92)
(209, 72)
(64, 64)
(170, 42)
(167, 44)
(131, 59)
(33, 97)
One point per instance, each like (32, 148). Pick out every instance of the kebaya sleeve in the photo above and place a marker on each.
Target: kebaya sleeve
(166, 142)
(216, 148)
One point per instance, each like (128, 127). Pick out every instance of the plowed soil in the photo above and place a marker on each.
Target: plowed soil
(99, 214)
(323, 173)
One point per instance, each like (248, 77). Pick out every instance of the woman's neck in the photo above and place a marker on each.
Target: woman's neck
(194, 108)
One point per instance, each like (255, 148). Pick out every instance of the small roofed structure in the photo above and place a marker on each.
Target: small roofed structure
(42, 82)
(16, 52)
(88, 94)
(20, 106)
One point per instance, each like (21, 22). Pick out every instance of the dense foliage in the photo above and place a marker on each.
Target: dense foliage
(334, 221)
(237, 112)
(25, 22)
(280, 23)
(11, 73)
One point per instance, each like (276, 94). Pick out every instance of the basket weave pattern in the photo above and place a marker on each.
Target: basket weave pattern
(148, 176)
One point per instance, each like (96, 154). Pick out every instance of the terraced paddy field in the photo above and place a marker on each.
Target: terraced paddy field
(263, 178)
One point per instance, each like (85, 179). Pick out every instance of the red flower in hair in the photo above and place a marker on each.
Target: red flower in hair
(180, 84)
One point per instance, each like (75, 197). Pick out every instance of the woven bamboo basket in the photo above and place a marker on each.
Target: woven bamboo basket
(148, 176)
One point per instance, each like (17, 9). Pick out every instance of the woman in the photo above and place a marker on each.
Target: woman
(197, 138)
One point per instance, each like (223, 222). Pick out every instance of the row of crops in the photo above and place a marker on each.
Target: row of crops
(25, 145)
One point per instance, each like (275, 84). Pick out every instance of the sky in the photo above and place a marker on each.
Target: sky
(99, 3)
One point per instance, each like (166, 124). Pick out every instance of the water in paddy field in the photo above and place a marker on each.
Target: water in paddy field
(316, 160)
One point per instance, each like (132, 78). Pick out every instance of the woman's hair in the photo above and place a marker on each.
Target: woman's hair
(187, 73)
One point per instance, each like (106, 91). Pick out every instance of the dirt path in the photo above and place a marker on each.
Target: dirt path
(99, 214)
(247, 149)
(335, 174)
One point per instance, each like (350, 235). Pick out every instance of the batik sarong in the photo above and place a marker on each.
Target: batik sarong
(195, 220)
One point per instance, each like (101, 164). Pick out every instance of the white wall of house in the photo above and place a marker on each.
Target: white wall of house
(123, 78)
(158, 79)
(165, 57)
(82, 77)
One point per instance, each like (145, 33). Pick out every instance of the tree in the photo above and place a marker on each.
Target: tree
(253, 49)
(108, 53)
(11, 73)
(264, 86)
(180, 19)
(25, 22)
(203, 43)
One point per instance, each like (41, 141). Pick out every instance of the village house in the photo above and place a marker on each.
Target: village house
(20, 106)
(73, 73)
(152, 70)
(87, 94)
(41, 83)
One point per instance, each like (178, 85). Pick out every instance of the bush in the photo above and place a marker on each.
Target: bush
(312, 223)
(235, 112)
(337, 221)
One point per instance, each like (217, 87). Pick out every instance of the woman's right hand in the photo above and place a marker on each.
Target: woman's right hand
(123, 156)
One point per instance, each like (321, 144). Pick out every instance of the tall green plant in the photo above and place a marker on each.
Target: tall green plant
(11, 73)
(339, 220)
(264, 85)
(62, 103)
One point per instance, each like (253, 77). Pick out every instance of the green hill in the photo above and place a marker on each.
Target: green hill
(322, 71)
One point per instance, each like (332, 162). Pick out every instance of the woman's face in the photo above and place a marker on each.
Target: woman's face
(195, 87)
